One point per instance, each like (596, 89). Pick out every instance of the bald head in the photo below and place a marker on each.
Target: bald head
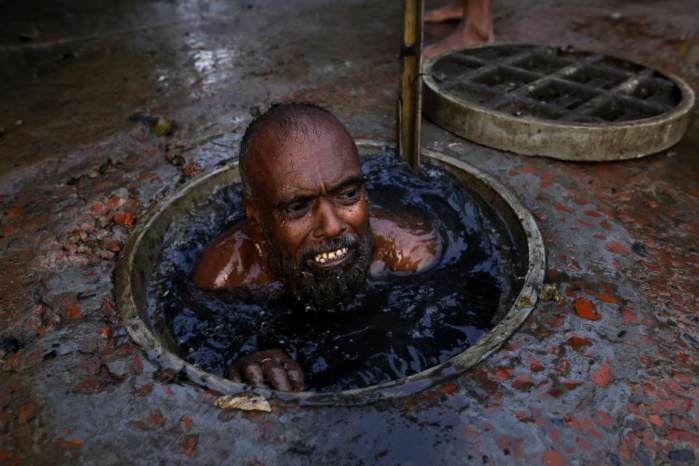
(305, 194)
(282, 131)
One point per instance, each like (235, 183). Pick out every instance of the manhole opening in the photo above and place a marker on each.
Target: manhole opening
(577, 102)
(516, 250)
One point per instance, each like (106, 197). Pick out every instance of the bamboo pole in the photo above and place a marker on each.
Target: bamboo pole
(410, 98)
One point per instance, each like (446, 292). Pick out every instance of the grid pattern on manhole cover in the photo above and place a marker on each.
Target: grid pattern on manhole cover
(556, 83)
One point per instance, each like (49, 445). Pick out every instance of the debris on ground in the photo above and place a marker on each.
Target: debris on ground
(160, 126)
(244, 402)
(549, 292)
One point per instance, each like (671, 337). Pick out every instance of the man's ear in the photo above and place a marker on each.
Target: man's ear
(251, 211)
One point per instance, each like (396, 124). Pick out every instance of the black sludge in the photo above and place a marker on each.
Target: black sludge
(397, 326)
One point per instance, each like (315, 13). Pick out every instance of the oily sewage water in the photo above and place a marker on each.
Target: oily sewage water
(397, 326)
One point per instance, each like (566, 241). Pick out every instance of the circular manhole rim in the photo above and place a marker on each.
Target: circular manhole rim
(581, 142)
(160, 216)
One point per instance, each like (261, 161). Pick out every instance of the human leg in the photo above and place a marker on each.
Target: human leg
(453, 10)
(476, 27)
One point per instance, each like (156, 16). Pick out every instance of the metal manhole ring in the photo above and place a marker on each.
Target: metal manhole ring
(143, 250)
(558, 102)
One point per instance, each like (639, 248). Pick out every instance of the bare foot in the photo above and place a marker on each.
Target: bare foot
(463, 37)
(451, 12)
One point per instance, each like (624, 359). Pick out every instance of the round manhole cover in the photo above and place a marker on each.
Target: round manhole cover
(558, 102)
(144, 258)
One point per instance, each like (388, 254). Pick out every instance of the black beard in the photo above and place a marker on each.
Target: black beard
(320, 289)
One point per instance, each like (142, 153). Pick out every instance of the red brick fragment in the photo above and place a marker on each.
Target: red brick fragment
(72, 443)
(629, 316)
(562, 208)
(662, 405)
(112, 245)
(187, 444)
(535, 365)
(137, 365)
(522, 382)
(656, 420)
(682, 357)
(602, 377)
(683, 436)
(617, 248)
(582, 443)
(503, 373)
(186, 423)
(73, 311)
(138, 425)
(156, 418)
(144, 390)
(124, 218)
(449, 388)
(13, 213)
(571, 384)
(25, 413)
(189, 169)
(553, 458)
(555, 435)
(681, 378)
(89, 386)
(603, 418)
(98, 208)
(562, 366)
(546, 181)
(608, 298)
(114, 201)
(673, 386)
(585, 309)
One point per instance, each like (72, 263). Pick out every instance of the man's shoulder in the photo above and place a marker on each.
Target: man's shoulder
(233, 259)
(403, 242)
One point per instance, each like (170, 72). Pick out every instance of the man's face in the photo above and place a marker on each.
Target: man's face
(310, 201)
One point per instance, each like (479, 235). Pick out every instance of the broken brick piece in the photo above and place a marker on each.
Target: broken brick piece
(586, 310)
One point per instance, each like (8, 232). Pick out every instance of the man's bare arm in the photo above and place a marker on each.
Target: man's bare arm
(234, 259)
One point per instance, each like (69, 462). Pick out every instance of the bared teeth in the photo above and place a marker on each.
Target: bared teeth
(324, 257)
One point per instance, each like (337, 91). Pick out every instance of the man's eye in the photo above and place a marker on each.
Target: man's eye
(297, 208)
(349, 195)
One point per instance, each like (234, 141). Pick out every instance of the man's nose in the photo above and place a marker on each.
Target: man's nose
(329, 223)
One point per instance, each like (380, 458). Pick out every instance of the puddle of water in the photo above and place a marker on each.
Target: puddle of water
(399, 325)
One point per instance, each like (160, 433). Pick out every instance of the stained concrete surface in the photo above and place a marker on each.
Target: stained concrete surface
(607, 374)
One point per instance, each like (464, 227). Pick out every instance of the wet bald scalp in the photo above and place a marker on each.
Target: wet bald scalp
(282, 122)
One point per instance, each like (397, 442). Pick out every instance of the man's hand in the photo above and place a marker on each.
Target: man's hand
(273, 368)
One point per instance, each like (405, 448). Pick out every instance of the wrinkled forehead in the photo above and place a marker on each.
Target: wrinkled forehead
(301, 159)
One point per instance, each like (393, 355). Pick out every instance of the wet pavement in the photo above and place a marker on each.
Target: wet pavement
(605, 374)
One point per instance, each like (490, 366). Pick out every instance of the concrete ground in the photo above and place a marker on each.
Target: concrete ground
(607, 374)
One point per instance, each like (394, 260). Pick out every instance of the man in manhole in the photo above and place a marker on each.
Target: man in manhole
(308, 226)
